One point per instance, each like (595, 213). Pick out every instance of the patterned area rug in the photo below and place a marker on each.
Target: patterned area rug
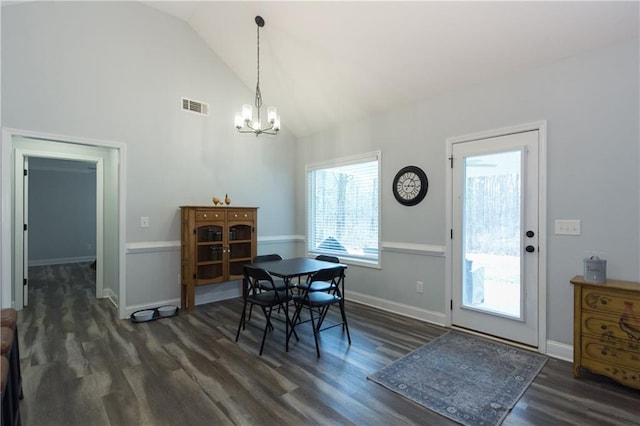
(468, 379)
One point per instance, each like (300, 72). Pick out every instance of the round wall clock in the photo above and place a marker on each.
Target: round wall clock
(410, 185)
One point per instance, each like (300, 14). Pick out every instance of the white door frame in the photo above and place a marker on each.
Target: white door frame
(541, 127)
(19, 213)
(9, 273)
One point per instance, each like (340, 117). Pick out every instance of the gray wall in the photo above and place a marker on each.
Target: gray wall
(116, 71)
(591, 103)
(62, 211)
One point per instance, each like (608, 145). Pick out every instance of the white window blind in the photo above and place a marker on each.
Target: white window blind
(343, 208)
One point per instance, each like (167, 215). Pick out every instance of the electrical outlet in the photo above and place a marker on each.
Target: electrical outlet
(144, 221)
(419, 287)
(567, 227)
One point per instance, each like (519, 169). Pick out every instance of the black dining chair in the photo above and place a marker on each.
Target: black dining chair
(267, 257)
(265, 299)
(279, 283)
(325, 286)
(318, 302)
(319, 285)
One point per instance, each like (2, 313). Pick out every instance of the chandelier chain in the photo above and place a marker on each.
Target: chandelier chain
(258, 93)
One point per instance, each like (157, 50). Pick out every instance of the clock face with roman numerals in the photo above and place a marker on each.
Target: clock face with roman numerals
(410, 185)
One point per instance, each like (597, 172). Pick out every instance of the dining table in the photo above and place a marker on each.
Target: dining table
(289, 269)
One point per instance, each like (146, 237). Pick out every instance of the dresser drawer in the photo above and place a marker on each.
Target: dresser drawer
(614, 351)
(608, 301)
(239, 215)
(604, 326)
(208, 215)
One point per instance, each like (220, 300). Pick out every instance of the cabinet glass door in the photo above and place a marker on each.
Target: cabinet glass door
(210, 251)
(239, 248)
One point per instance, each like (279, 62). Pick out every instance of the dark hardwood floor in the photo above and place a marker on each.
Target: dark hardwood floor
(83, 366)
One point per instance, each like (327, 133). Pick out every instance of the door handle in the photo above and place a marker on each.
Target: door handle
(530, 234)
(530, 249)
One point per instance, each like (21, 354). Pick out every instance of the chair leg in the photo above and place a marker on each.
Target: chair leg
(344, 320)
(250, 310)
(315, 332)
(323, 313)
(293, 330)
(266, 327)
(242, 319)
(294, 318)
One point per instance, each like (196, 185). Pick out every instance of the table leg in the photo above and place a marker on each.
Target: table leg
(286, 314)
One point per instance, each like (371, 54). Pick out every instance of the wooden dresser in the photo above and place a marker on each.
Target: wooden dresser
(216, 244)
(606, 333)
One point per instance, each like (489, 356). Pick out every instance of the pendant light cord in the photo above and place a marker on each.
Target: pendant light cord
(258, 93)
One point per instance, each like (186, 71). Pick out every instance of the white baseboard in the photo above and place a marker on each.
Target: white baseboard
(437, 318)
(560, 350)
(62, 260)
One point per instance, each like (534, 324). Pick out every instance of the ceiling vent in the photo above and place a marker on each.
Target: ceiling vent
(195, 106)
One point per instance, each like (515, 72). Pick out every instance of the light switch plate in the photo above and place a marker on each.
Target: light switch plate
(144, 221)
(567, 227)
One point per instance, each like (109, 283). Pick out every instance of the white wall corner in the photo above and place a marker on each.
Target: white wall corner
(112, 296)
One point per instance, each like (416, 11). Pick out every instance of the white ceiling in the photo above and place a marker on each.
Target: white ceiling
(324, 63)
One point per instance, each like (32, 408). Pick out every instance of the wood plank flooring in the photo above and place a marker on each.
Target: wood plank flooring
(83, 366)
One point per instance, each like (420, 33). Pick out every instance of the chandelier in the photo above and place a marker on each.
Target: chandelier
(245, 120)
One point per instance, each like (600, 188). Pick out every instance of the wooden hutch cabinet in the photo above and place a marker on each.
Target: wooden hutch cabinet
(216, 243)
(606, 338)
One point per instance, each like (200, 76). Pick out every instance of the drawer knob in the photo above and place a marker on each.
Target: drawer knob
(603, 327)
(246, 215)
(603, 301)
(204, 215)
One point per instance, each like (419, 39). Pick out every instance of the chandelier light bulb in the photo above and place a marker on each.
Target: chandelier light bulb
(272, 113)
(247, 112)
(238, 120)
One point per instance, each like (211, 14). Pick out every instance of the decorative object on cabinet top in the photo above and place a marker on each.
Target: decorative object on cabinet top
(216, 200)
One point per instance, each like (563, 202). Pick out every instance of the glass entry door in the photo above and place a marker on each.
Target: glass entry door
(495, 226)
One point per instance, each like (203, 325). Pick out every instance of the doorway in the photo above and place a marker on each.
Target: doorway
(110, 206)
(496, 286)
(60, 205)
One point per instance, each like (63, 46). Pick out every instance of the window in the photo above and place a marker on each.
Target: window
(343, 208)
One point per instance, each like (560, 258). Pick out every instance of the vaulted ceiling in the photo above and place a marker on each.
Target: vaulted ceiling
(325, 63)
